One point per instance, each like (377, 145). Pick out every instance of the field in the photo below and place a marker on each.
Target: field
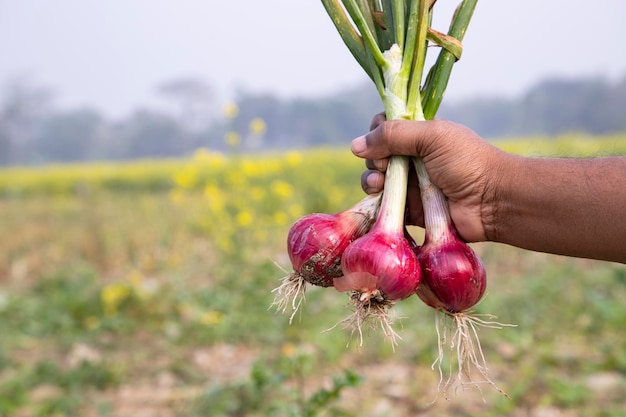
(143, 289)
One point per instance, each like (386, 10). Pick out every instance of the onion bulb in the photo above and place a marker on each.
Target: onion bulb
(453, 281)
(380, 267)
(315, 244)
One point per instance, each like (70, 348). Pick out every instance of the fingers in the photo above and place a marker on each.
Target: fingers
(372, 181)
(400, 137)
(377, 164)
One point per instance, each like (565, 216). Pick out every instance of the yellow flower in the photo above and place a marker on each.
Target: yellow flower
(202, 155)
(234, 179)
(112, 296)
(258, 126)
(210, 318)
(233, 138)
(231, 110)
(244, 218)
(282, 189)
(293, 158)
(250, 169)
(186, 178)
(215, 197)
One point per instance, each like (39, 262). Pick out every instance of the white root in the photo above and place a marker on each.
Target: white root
(371, 310)
(292, 292)
(460, 332)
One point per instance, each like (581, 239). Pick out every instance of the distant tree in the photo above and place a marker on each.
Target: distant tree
(551, 107)
(31, 130)
(351, 111)
(302, 122)
(148, 134)
(195, 100)
(306, 124)
(557, 105)
(70, 136)
(607, 115)
(489, 117)
(264, 106)
(22, 107)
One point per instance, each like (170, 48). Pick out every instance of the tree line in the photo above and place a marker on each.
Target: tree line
(34, 131)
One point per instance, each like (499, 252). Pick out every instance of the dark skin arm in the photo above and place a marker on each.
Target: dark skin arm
(573, 207)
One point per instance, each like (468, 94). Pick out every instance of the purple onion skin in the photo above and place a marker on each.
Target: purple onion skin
(453, 276)
(383, 261)
(315, 244)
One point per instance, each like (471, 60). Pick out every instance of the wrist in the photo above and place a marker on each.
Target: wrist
(502, 177)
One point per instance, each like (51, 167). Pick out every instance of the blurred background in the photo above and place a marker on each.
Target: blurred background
(153, 155)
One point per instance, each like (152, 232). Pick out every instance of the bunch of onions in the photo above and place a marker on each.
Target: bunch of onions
(381, 267)
(315, 244)
(389, 40)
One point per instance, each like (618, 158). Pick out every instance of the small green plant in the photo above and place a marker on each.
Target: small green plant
(280, 390)
(566, 393)
(48, 389)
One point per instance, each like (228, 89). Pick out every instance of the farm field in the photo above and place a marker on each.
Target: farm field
(144, 289)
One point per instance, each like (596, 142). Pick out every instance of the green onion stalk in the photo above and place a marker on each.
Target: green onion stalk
(389, 39)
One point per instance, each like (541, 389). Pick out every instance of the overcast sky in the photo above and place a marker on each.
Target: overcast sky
(111, 54)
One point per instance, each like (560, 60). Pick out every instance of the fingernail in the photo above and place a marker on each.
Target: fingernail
(380, 164)
(373, 180)
(359, 145)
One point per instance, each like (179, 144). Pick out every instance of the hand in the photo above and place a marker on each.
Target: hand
(565, 206)
(458, 161)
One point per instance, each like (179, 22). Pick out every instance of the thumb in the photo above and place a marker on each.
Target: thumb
(400, 137)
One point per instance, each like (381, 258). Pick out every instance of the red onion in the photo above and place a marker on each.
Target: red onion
(454, 277)
(315, 244)
(453, 281)
(381, 268)
(380, 264)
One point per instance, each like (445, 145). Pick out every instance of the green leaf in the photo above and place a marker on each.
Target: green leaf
(453, 45)
(439, 75)
(348, 33)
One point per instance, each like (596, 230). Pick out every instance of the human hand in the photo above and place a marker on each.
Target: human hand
(461, 163)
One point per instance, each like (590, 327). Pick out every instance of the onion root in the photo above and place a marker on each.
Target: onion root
(460, 332)
(372, 310)
(291, 291)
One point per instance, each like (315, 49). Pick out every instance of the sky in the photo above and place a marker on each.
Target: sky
(112, 54)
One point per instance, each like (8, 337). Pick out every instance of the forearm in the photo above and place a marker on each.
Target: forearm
(574, 207)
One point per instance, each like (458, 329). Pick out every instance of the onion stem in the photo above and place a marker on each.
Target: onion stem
(437, 80)
(437, 221)
(399, 21)
(415, 66)
(368, 37)
(393, 201)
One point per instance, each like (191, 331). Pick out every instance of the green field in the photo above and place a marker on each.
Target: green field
(143, 289)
